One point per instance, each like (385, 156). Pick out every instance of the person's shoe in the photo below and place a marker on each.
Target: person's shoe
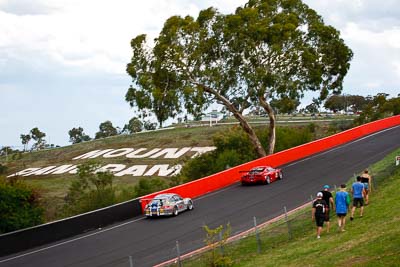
(318, 237)
(343, 230)
(351, 218)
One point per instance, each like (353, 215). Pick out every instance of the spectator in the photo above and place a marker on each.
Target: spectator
(357, 189)
(342, 202)
(318, 213)
(366, 179)
(327, 196)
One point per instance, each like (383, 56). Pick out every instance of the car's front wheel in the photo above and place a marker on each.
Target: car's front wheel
(280, 176)
(267, 180)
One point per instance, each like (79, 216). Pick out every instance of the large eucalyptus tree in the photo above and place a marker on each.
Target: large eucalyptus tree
(267, 50)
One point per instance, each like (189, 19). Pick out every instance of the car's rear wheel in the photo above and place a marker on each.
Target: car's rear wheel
(175, 211)
(280, 176)
(267, 180)
(190, 205)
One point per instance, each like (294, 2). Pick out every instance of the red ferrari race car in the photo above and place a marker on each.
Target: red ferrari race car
(261, 174)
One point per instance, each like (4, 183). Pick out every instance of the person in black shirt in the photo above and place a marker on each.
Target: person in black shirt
(319, 212)
(327, 196)
(366, 180)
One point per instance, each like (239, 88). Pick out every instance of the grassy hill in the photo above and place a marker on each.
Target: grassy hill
(373, 240)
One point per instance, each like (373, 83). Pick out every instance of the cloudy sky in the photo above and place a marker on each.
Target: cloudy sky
(62, 62)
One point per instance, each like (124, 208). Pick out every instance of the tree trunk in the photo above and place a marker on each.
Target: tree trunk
(242, 121)
(272, 122)
(250, 132)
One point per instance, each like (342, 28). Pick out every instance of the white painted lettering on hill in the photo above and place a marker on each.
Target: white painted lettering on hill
(122, 169)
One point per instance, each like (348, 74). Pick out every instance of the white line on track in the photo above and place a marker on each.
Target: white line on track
(71, 240)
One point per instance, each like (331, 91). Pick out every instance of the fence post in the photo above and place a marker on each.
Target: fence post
(221, 243)
(257, 235)
(130, 261)
(288, 223)
(179, 254)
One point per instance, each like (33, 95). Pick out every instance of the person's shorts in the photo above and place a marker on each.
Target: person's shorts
(341, 214)
(319, 220)
(366, 186)
(358, 202)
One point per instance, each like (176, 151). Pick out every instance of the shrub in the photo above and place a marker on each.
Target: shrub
(149, 185)
(91, 190)
(19, 206)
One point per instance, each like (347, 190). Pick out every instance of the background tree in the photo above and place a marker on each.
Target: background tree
(393, 105)
(25, 138)
(76, 135)
(335, 103)
(38, 136)
(148, 125)
(267, 50)
(106, 129)
(90, 190)
(377, 107)
(346, 103)
(134, 126)
(285, 105)
(312, 108)
(19, 206)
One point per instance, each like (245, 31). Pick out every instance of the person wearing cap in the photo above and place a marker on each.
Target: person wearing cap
(342, 202)
(318, 213)
(327, 196)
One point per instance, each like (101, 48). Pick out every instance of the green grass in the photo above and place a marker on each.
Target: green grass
(373, 240)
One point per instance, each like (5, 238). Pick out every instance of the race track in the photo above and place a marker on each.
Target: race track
(151, 241)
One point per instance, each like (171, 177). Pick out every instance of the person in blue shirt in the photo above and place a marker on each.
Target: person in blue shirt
(342, 202)
(358, 191)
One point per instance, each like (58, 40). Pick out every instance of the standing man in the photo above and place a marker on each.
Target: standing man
(357, 189)
(366, 180)
(342, 202)
(327, 196)
(318, 213)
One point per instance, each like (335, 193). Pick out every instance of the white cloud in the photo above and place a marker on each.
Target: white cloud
(62, 62)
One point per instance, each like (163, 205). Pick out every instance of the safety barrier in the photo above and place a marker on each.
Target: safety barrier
(50, 232)
(225, 178)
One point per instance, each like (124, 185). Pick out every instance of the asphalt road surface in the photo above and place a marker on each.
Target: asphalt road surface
(152, 241)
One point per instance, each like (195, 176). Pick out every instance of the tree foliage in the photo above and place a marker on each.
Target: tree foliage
(76, 135)
(346, 103)
(90, 190)
(19, 206)
(25, 138)
(38, 136)
(215, 240)
(378, 107)
(106, 129)
(267, 50)
(134, 126)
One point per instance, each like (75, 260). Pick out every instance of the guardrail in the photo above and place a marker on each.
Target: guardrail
(50, 232)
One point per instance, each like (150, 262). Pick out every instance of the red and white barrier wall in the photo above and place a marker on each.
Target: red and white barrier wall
(222, 179)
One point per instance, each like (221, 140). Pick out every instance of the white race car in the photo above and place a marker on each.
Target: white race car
(167, 205)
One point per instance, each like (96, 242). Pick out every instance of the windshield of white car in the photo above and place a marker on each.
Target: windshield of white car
(159, 201)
